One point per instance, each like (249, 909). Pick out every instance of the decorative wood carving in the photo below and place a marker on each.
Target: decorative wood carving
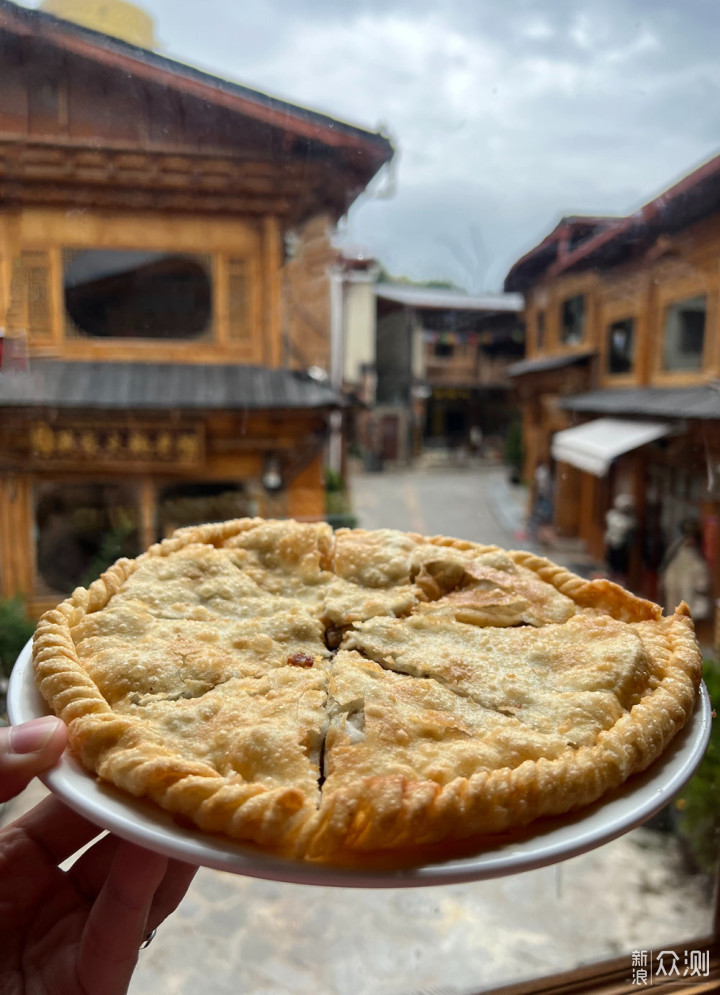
(239, 330)
(62, 172)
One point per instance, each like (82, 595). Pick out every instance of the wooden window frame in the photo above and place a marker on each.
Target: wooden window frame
(614, 977)
(668, 296)
(245, 347)
(609, 321)
(72, 332)
(702, 355)
(52, 231)
(578, 343)
(540, 330)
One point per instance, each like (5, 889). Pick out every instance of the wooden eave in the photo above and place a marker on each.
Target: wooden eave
(348, 142)
(691, 199)
(36, 171)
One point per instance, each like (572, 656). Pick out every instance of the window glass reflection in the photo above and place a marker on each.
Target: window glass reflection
(684, 338)
(118, 293)
(80, 530)
(572, 324)
(621, 346)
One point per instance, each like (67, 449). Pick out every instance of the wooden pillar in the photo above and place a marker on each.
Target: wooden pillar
(148, 513)
(17, 541)
(593, 505)
(306, 494)
(712, 341)
(272, 291)
(9, 251)
(586, 508)
(567, 499)
(648, 331)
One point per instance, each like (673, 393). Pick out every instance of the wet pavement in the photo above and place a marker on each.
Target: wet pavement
(237, 934)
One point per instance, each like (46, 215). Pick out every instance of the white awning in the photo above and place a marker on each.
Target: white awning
(592, 447)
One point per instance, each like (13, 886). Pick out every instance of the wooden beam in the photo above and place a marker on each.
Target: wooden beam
(615, 978)
(53, 194)
(272, 284)
(60, 172)
(16, 535)
(148, 516)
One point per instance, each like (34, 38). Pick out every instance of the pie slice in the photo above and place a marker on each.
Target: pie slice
(323, 693)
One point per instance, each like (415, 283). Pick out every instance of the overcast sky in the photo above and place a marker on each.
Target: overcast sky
(505, 115)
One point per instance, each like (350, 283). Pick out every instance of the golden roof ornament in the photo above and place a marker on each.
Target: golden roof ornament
(116, 18)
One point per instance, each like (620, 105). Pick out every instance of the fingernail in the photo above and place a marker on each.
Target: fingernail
(31, 737)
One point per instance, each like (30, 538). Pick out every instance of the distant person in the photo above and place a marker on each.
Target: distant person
(685, 574)
(476, 440)
(621, 526)
(541, 518)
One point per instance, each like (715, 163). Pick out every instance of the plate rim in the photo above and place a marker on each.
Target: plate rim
(543, 844)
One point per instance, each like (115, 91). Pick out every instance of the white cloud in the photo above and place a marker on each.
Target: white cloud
(536, 29)
(505, 115)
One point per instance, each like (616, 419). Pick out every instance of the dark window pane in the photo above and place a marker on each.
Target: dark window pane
(621, 346)
(81, 529)
(118, 293)
(540, 330)
(572, 327)
(685, 334)
(191, 503)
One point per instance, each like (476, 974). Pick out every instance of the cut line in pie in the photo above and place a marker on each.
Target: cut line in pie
(331, 695)
(544, 842)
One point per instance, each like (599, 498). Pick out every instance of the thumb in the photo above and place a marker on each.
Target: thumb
(28, 749)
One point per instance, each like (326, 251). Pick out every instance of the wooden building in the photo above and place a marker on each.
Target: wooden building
(468, 345)
(163, 244)
(619, 386)
(430, 365)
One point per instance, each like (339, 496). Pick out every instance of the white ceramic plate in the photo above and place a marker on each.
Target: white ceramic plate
(547, 842)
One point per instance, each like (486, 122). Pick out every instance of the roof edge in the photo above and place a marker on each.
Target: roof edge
(86, 42)
(644, 222)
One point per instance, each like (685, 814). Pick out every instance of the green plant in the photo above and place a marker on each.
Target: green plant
(338, 511)
(334, 482)
(698, 814)
(15, 630)
(513, 453)
(336, 498)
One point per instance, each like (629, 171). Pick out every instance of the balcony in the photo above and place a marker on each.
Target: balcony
(470, 370)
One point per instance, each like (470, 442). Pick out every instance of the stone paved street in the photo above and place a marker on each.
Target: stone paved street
(236, 935)
(477, 504)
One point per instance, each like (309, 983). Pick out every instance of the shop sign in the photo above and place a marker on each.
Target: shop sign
(113, 444)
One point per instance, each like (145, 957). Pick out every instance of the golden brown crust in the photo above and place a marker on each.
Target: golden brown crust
(473, 690)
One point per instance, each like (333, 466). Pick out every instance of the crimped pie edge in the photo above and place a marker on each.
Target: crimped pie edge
(371, 813)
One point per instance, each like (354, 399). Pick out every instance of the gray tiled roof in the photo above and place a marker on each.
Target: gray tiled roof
(663, 402)
(451, 300)
(155, 386)
(542, 363)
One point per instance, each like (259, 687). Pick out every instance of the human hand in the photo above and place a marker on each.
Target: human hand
(73, 932)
